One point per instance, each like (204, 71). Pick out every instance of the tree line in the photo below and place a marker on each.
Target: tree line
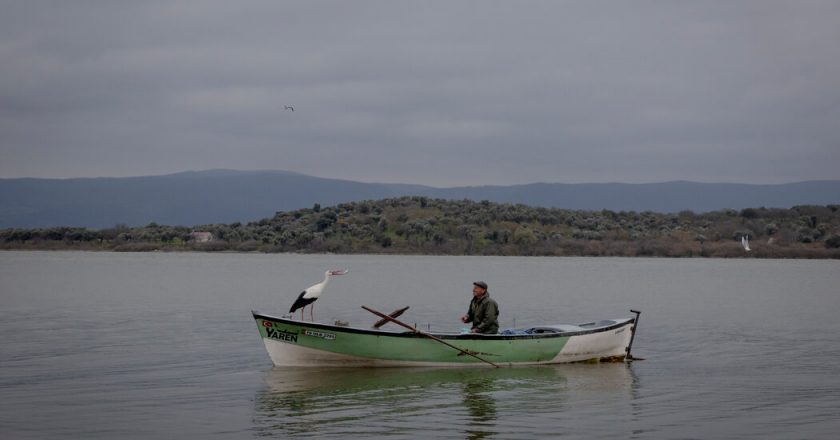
(421, 225)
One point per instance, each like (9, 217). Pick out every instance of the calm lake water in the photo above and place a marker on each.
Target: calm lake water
(159, 345)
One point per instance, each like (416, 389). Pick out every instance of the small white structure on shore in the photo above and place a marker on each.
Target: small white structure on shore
(201, 237)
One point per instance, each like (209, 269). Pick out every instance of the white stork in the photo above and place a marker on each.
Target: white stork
(310, 294)
(745, 243)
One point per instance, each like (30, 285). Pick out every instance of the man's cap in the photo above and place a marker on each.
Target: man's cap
(481, 284)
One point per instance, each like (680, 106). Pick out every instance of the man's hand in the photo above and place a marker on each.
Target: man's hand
(464, 318)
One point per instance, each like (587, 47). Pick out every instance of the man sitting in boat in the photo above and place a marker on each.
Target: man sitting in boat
(483, 312)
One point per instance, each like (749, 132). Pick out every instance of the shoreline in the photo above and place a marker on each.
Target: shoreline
(722, 251)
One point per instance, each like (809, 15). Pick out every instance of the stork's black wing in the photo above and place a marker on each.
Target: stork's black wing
(301, 302)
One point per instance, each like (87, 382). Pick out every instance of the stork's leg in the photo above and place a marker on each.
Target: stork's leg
(312, 312)
(301, 313)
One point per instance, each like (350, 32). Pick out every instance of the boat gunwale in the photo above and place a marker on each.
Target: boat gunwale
(468, 336)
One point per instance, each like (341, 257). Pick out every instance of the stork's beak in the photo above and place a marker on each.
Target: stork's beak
(339, 272)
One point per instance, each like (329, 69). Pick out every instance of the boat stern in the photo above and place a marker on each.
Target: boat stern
(610, 345)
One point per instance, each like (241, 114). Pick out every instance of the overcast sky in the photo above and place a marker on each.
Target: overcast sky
(438, 93)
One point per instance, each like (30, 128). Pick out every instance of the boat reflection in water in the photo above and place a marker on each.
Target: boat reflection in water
(479, 402)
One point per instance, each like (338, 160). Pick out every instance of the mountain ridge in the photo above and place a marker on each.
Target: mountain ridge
(225, 196)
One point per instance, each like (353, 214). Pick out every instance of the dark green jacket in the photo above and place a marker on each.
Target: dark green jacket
(484, 314)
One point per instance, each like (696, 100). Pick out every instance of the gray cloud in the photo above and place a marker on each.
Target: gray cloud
(440, 93)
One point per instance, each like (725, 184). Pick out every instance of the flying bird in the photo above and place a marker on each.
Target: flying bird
(310, 294)
(288, 107)
(745, 243)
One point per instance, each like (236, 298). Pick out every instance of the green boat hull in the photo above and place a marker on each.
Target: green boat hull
(306, 344)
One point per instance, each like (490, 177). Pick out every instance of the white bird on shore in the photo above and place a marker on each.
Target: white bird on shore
(312, 293)
(745, 243)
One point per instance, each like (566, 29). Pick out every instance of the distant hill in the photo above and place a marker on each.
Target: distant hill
(225, 196)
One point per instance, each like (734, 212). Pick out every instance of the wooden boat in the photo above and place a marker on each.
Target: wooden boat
(292, 343)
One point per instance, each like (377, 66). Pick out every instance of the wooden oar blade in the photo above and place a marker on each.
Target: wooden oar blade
(394, 314)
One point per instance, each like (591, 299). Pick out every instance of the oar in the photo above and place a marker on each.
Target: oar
(394, 314)
(395, 321)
